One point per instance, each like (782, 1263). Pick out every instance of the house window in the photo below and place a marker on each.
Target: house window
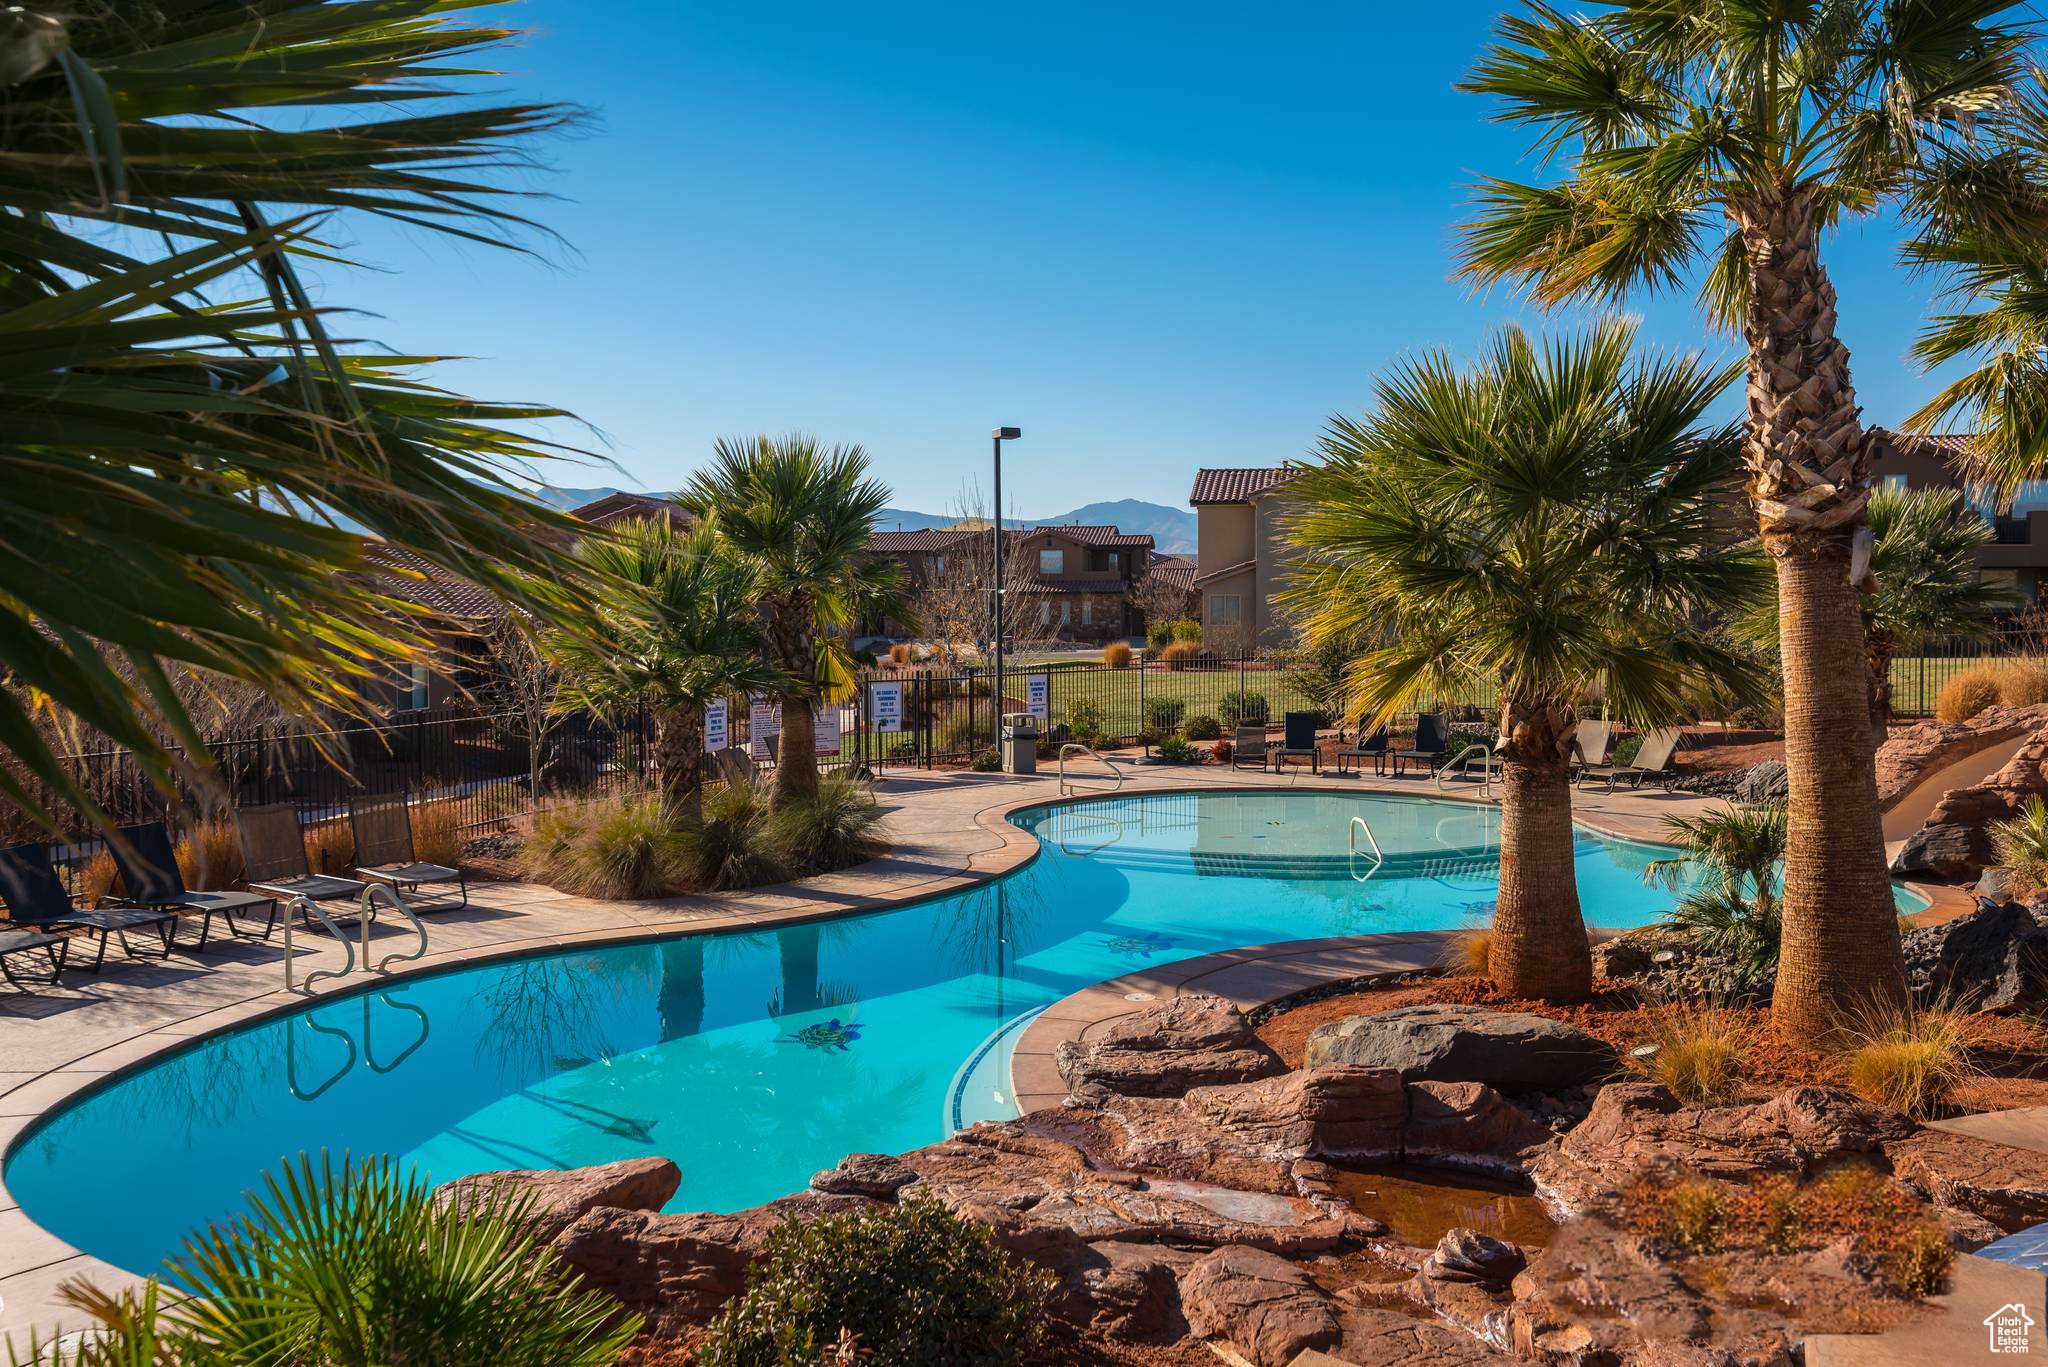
(413, 690)
(1088, 612)
(1224, 609)
(1045, 614)
(939, 566)
(1066, 612)
(1050, 562)
(1895, 482)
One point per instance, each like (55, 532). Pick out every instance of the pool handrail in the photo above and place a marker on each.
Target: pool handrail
(1067, 786)
(365, 913)
(1464, 757)
(1359, 823)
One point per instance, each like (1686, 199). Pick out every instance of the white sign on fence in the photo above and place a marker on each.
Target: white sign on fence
(885, 706)
(825, 728)
(764, 719)
(1038, 696)
(716, 733)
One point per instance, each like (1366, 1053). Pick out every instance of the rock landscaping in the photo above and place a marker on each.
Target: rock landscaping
(1175, 1208)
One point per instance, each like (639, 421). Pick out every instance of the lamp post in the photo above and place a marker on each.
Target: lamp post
(1000, 435)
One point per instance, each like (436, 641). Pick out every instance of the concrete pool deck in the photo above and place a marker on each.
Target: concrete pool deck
(948, 831)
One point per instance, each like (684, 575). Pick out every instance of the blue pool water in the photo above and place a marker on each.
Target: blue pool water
(754, 1059)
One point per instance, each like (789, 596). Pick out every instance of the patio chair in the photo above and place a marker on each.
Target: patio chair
(15, 944)
(36, 899)
(274, 860)
(733, 765)
(150, 878)
(1653, 760)
(1374, 747)
(1248, 743)
(1297, 738)
(384, 848)
(1427, 752)
(1590, 745)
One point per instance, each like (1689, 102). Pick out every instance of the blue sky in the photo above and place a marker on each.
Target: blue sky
(1156, 237)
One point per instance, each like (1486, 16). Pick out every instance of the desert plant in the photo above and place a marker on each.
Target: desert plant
(732, 845)
(1701, 1054)
(1698, 1218)
(1117, 655)
(989, 761)
(1736, 912)
(1164, 714)
(1177, 750)
(1778, 1212)
(613, 847)
(1202, 726)
(914, 1284)
(2023, 683)
(1222, 752)
(838, 827)
(1159, 636)
(902, 653)
(1967, 693)
(1178, 655)
(330, 847)
(1186, 629)
(2020, 845)
(1919, 1262)
(1242, 707)
(209, 854)
(1085, 719)
(1912, 1059)
(1470, 951)
(96, 878)
(438, 836)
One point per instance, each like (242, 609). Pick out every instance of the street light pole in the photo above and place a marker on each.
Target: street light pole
(1000, 435)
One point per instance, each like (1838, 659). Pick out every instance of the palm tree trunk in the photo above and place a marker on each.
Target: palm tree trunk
(679, 760)
(796, 758)
(1809, 479)
(1539, 939)
(1879, 661)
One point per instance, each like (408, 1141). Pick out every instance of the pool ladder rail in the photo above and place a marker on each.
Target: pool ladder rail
(1068, 785)
(1359, 823)
(1489, 761)
(366, 912)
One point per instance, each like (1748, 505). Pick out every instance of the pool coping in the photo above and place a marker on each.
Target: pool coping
(27, 1294)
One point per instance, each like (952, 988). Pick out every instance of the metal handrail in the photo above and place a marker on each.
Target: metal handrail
(1464, 757)
(1075, 816)
(306, 905)
(366, 911)
(1066, 787)
(369, 1049)
(291, 1057)
(1359, 823)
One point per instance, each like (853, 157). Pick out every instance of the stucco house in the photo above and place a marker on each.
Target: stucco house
(1070, 582)
(1241, 557)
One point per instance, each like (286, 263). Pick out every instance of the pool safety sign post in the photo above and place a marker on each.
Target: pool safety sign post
(1038, 696)
(825, 728)
(716, 733)
(764, 719)
(885, 706)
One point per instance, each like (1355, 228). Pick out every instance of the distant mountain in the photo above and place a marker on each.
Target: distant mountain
(1172, 529)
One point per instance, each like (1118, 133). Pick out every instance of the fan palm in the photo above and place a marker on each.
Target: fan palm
(1542, 522)
(1735, 909)
(1726, 139)
(802, 513)
(676, 632)
(194, 467)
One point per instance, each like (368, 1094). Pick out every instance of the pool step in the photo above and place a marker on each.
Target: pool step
(1481, 864)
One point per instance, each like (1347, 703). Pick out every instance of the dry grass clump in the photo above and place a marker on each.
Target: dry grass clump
(615, 847)
(2023, 683)
(209, 855)
(1701, 1054)
(96, 878)
(1698, 1217)
(1181, 654)
(902, 653)
(331, 847)
(1471, 952)
(1913, 1060)
(437, 833)
(1117, 654)
(1920, 1261)
(1968, 693)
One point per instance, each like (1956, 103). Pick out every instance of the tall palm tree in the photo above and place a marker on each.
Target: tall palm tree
(1543, 522)
(802, 513)
(194, 467)
(675, 634)
(1726, 139)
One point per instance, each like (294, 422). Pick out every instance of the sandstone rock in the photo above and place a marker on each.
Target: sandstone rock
(559, 1197)
(685, 1266)
(1265, 1307)
(1599, 1293)
(876, 1175)
(1466, 1255)
(1911, 753)
(1191, 1041)
(1465, 1044)
(2007, 1186)
(1994, 958)
(1131, 1290)
(1468, 1123)
(1624, 956)
(1317, 1112)
(1388, 1338)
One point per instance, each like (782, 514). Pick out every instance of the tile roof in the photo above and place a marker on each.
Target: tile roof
(1950, 448)
(1093, 535)
(932, 539)
(1036, 585)
(418, 581)
(620, 506)
(1234, 485)
(1180, 576)
(1213, 575)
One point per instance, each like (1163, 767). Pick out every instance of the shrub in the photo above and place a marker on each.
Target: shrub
(902, 653)
(1913, 1061)
(1187, 629)
(1117, 655)
(2023, 683)
(1698, 1217)
(989, 761)
(1472, 952)
(1626, 749)
(1222, 752)
(2020, 844)
(1919, 1263)
(1242, 707)
(915, 1285)
(1164, 714)
(1180, 655)
(96, 878)
(1202, 726)
(614, 848)
(1159, 636)
(1968, 693)
(437, 833)
(837, 827)
(733, 845)
(863, 656)
(330, 847)
(1701, 1055)
(1085, 720)
(209, 855)
(1176, 750)
(1778, 1213)
(958, 731)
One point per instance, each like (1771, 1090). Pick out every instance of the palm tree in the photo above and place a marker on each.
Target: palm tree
(1735, 909)
(676, 634)
(194, 467)
(1543, 522)
(1726, 139)
(802, 514)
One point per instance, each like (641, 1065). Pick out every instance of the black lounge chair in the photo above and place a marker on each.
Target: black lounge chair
(1431, 741)
(1297, 739)
(274, 860)
(16, 943)
(150, 878)
(1374, 747)
(384, 848)
(1653, 760)
(36, 899)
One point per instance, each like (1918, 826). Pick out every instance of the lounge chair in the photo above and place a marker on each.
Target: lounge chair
(1653, 760)
(37, 900)
(1373, 747)
(274, 860)
(1590, 745)
(384, 849)
(1248, 743)
(150, 878)
(733, 765)
(1427, 752)
(18, 943)
(1298, 739)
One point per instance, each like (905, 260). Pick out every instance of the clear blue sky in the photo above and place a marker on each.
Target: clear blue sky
(1154, 236)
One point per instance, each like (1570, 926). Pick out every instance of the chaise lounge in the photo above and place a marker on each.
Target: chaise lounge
(37, 900)
(384, 846)
(150, 877)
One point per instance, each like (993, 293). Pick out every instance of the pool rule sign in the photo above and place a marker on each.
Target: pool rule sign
(885, 706)
(1038, 696)
(716, 733)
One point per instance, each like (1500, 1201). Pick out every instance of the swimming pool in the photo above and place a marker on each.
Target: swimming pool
(755, 1059)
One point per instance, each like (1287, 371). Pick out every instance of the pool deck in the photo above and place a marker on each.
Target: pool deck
(947, 830)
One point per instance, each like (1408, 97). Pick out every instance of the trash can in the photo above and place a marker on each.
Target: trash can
(1020, 743)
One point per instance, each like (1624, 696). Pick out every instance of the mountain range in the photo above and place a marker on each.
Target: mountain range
(1172, 529)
